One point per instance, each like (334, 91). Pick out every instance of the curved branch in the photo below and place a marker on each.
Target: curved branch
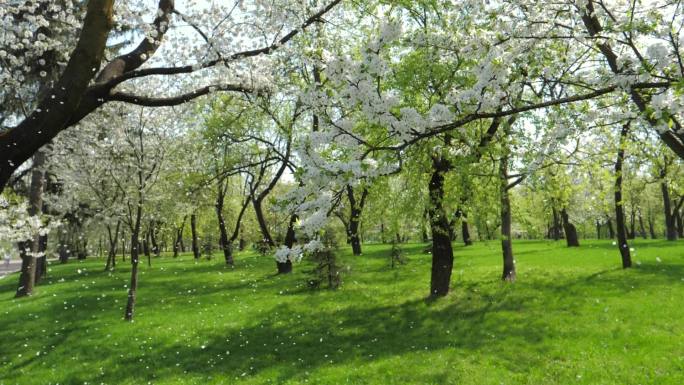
(147, 47)
(127, 75)
(148, 101)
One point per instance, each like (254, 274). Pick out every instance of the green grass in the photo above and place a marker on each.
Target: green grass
(573, 317)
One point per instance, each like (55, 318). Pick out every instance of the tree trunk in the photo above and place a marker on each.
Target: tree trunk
(465, 231)
(113, 242)
(135, 254)
(670, 225)
(153, 239)
(356, 208)
(27, 277)
(177, 244)
(651, 228)
(619, 213)
(54, 112)
(642, 229)
(41, 261)
(631, 234)
(442, 252)
(611, 232)
(570, 230)
(679, 224)
(598, 229)
(195, 242)
(290, 239)
(508, 274)
(225, 243)
(123, 245)
(261, 220)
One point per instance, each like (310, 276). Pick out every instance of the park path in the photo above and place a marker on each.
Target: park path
(6, 269)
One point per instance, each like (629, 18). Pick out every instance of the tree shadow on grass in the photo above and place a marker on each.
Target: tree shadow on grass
(292, 343)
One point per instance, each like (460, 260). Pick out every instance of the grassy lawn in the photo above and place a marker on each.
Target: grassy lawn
(573, 317)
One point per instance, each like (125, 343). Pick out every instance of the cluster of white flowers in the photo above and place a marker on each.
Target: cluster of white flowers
(16, 225)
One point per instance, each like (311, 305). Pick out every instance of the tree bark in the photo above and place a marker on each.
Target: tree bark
(598, 229)
(670, 225)
(611, 232)
(226, 244)
(113, 242)
(261, 220)
(442, 252)
(356, 209)
(153, 238)
(651, 228)
(178, 243)
(569, 229)
(642, 229)
(465, 231)
(195, 242)
(619, 212)
(290, 239)
(631, 234)
(135, 254)
(508, 273)
(55, 109)
(27, 277)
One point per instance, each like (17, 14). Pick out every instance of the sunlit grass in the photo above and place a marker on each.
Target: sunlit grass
(573, 317)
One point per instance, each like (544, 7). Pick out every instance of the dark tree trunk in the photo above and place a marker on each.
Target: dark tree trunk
(670, 225)
(598, 229)
(27, 277)
(113, 242)
(508, 273)
(41, 261)
(442, 253)
(679, 224)
(135, 255)
(225, 243)
(354, 238)
(382, 233)
(569, 229)
(632, 224)
(146, 244)
(355, 218)
(642, 229)
(153, 239)
(195, 242)
(290, 239)
(123, 245)
(651, 228)
(261, 220)
(611, 232)
(177, 244)
(623, 246)
(465, 231)
(54, 113)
